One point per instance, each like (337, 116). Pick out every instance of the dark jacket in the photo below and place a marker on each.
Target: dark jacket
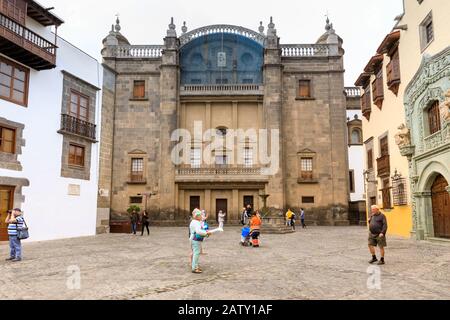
(378, 224)
(134, 218)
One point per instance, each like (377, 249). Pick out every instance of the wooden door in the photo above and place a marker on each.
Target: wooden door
(221, 204)
(194, 203)
(441, 207)
(249, 200)
(6, 203)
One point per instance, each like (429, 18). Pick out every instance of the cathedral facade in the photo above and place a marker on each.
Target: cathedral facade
(221, 117)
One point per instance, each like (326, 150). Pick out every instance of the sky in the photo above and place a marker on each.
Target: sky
(362, 24)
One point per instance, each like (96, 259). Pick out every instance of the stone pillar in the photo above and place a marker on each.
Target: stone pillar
(273, 79)
(169, 93)
(235, 207)
(208, 201)
(424, 225)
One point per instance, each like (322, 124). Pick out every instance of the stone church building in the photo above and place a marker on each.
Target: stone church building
(224, 78)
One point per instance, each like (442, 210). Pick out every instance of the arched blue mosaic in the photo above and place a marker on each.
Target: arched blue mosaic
(222, 58)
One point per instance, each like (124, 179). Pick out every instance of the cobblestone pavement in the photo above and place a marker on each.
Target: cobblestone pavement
(319, 263)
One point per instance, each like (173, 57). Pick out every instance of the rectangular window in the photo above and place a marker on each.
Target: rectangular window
(7, 140)
(307, 168)
(76, 155)
(135, 200)
(308, 200)
(304, 89)
(196, 157)
(352, 181)
(434, 118)
(429, 32)
(370, 159)
(139, 89)
(137, 169)
(79, 106)
(248, 157)
(13, 82)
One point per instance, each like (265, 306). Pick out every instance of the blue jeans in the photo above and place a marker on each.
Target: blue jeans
(15, 247)
(196, 249)
(134, 228)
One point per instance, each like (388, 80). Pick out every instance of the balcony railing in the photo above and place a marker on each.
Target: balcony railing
(305, 50)
(384, 166)
(353, 92)
(78, 127)
(222, 89)
(137, 179)
(219, 170)
(27, 47)
(150, 51)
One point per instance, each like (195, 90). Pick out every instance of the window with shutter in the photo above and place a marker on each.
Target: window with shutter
(13, 82)
(139, 89)
(7, 140)
(304, 90)
(434, 118)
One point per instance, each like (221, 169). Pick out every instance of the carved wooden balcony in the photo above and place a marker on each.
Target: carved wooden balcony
(366, 105)
(378, 92)
(80, 128)
(21, 44)
(384, 166)
(393, 76)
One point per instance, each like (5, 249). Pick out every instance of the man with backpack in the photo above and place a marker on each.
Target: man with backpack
(15, 225)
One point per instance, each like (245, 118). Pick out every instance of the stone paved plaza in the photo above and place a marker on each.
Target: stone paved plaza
(319, 263)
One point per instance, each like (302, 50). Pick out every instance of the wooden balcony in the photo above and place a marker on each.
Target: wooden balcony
(378, 92)
(366, 105)
(80, 128)
(25, 46)
(384, 166)
(393, 76)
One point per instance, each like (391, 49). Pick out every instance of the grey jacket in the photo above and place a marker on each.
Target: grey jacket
(378, 224)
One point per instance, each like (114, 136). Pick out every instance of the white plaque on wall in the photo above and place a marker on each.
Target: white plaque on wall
(74, 190)
(221, 59)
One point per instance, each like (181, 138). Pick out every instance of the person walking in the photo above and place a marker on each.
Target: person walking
(288, 217)
(302, 218)
(244, 217)
(198, 234)
(145, 223)
(293, 217)
(134, 221)
(15, 220)
(221, 217)
(377, 234)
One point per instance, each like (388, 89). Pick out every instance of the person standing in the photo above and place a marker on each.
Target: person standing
(134, 221)
(145, 223)
(198, 234)
(244, 218)
(15, 220)
(302, 218)
(377, 234)
(221, 217)
(255, 228)
(288, 217)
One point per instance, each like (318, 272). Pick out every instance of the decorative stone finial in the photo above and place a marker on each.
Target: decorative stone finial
(271, 24)
(117, 28)
(184, 29)
(172, 25)
(261, 27)
(329, 26)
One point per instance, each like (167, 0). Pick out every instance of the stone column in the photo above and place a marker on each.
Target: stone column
(424, 225)
(234, 215)
(273, 79)
(169, 93)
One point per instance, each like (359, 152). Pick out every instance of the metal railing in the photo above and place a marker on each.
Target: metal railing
(79, 127)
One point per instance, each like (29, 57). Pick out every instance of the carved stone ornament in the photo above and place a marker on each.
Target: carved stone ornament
(403, 137)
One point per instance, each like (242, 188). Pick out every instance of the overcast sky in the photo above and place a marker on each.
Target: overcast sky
(362, 24)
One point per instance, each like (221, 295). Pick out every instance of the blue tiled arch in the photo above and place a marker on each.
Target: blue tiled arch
(244, 60)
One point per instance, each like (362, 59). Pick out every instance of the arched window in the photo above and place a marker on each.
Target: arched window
(356, 137)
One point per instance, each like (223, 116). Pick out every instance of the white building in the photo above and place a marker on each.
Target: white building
(355, 156)
(49, 114)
